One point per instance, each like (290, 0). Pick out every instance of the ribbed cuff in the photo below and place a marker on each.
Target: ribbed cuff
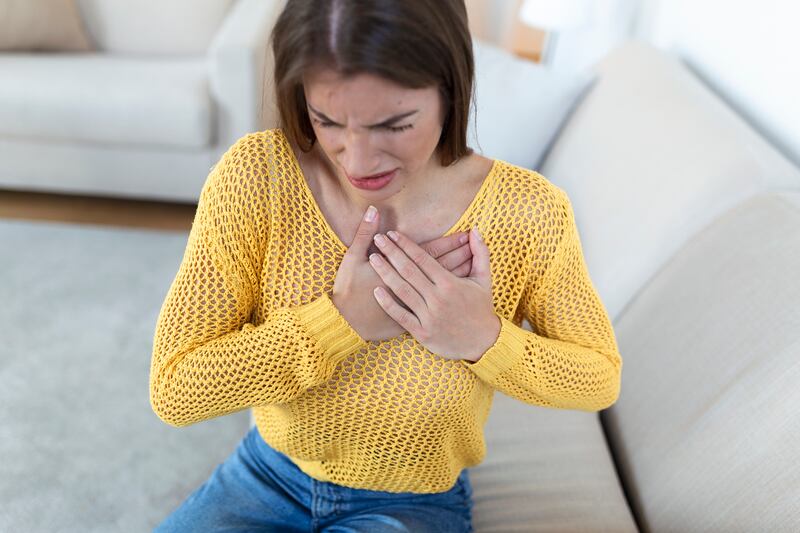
(335, 336)
(503, 354)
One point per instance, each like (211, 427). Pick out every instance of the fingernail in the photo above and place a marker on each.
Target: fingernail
(392, 235)
(369, 216)
(477, 234)
(463, 239)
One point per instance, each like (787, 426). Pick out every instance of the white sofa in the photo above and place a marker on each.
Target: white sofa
(690, 225)
(170, 88)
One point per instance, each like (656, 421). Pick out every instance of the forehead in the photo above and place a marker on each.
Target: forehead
(322, 84)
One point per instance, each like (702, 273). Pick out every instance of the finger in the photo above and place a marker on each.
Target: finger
(408, 268)
(405, 251)
(442, 245)
(405, 318)
(453, 259)
(389, 290)
(399, 286)
(463, 270)
(481, 265)
(363, 237)
(395, 299)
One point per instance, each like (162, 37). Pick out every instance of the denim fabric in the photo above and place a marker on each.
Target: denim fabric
(258, 488)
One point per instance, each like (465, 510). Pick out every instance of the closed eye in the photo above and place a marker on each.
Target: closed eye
(395, 129)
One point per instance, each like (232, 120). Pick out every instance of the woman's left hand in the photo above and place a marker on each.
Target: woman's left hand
(451, 316)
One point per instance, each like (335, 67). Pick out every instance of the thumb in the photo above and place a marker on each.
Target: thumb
(481, 268)
(364, 233)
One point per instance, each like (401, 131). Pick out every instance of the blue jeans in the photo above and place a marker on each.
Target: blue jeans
(258, 488)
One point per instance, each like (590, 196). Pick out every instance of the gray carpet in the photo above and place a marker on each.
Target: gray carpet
(80, 448)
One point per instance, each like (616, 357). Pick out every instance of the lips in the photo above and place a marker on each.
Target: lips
(373, 184)
(373, 176)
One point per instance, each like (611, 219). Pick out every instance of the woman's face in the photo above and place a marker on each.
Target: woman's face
(368, 125)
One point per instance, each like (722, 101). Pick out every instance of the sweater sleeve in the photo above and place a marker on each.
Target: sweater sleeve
(570, 360)
(208, 358)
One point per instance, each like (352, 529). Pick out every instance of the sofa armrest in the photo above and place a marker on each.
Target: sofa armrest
(240, 69)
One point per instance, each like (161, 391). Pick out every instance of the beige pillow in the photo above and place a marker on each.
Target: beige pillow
(42, 26)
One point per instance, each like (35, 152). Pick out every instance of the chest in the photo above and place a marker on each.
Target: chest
(421, 225)
(434, 215)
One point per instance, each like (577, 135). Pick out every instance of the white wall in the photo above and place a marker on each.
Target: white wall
(745, 50)
(612, 23)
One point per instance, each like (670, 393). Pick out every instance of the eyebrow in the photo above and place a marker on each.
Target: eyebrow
(388, 122)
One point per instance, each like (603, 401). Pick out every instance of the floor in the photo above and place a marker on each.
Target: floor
(96, 210)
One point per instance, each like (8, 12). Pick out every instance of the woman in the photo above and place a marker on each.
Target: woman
(370, 362)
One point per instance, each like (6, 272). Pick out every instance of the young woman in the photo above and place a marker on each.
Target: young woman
(358, 277)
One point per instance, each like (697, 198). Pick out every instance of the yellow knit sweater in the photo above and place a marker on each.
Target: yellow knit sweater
(248, 323)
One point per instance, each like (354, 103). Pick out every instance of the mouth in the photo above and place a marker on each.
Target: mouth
(382, 174)
(373, 183)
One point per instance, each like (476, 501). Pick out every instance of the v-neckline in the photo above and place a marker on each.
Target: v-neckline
(329, 229)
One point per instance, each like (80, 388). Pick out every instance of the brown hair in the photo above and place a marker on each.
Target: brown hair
(415, 44)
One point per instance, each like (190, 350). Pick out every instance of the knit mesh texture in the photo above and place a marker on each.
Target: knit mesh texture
(248, 322)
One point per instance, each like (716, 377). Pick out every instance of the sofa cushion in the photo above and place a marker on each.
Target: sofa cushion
(649, 156)
(153, 27)
(706, 426)
(518, 106)
(42, 26)
(105, 99)
(546, 470)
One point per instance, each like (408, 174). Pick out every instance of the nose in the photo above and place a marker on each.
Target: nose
(357, 156)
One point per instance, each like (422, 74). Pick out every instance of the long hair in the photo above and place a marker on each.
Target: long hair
(414, 43)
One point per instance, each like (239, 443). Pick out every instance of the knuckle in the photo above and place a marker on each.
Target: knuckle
(434, 249)
(419, 257)
(435, 303)
(405, 291)
(402, 316)
(444, 286)
(407, 270)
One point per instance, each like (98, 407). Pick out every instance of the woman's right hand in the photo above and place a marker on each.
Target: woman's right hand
(356, 279)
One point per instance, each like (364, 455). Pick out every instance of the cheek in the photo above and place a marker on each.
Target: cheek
(422, 144)
(409, 151)
(323, 133)
(328, 141)
(422, 138)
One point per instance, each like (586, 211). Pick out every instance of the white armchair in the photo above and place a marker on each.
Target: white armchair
(169, 89)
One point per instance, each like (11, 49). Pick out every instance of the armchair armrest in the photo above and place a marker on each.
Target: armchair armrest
(240, 69)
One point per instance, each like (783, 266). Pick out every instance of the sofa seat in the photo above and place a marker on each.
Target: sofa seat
(546, 470)
(107, 99)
